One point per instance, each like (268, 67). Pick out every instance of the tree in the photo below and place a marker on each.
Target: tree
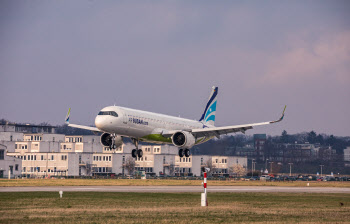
(320, 139)
(130, 165)
(284, 137)
(172, 169)
(311, 137)
(209, 164)
(3, 121)
(238, 169)
(331, 140)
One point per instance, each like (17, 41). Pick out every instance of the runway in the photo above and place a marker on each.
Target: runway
(179, 189)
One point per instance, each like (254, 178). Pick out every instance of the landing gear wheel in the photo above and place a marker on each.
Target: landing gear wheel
(181, 152)
(139, 153)
(134, 153)
(187, 152)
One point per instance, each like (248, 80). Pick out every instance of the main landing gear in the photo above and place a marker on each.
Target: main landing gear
(184, 152)
(136, 152)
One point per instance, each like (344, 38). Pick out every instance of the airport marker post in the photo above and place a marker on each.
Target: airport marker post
(205, 183)
(204, 201)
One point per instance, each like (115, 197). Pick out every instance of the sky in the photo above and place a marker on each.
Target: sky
(164, 57)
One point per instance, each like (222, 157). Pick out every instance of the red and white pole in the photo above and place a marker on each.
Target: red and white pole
(204, 195)
(205, 183)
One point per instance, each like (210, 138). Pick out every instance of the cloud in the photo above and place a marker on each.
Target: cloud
(325, 57)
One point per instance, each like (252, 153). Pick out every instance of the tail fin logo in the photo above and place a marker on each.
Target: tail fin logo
(67, 117)
(209, 113)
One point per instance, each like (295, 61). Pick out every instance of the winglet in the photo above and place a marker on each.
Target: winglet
(281, 118)
(67, 117)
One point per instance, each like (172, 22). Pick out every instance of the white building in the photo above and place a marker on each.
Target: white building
(9, 165)
(39, 154)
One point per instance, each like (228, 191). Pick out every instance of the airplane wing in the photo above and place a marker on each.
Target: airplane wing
(84, 127)
(217, 131)
(94, 129)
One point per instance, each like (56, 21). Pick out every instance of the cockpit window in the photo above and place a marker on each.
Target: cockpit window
(112, 113)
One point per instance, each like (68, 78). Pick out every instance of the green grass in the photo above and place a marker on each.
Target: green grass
(160, 182)
(110, 207)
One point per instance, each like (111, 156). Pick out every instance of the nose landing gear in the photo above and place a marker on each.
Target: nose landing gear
(112, 145)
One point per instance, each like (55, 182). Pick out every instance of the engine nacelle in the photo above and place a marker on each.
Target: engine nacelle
(183, 139)
(106, 140)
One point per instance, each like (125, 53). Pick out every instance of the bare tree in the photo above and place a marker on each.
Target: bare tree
(238, 169)
(172, 169)
(209, 164)
(130, 165)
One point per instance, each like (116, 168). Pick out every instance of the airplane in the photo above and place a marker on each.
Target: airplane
(116, 123)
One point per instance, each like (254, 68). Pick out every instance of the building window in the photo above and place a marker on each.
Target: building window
(110, 158)
(42, 157)
(52, 157)
(2, 154)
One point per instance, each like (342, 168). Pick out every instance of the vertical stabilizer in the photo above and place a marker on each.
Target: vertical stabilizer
(208, 116)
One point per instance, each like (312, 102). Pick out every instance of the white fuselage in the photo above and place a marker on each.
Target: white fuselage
(138, 123)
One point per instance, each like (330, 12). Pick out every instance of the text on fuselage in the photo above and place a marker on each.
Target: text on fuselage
(138, 121)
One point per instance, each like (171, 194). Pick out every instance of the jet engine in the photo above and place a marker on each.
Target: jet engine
(106, 140)
(183, 139)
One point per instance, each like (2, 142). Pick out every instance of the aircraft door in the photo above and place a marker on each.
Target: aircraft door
(125, 118)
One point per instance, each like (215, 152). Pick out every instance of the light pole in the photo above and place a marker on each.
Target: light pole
(252, 166)
(321, 169)
(270, 167)
(290, 169)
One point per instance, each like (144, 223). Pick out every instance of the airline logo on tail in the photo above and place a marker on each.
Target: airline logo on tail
(208, 117)
(67, 117)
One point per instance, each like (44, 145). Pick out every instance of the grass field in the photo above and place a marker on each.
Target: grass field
(101, 207)
(158, 182)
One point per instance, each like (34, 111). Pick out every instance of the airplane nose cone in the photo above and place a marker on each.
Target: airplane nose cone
(99, 122)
